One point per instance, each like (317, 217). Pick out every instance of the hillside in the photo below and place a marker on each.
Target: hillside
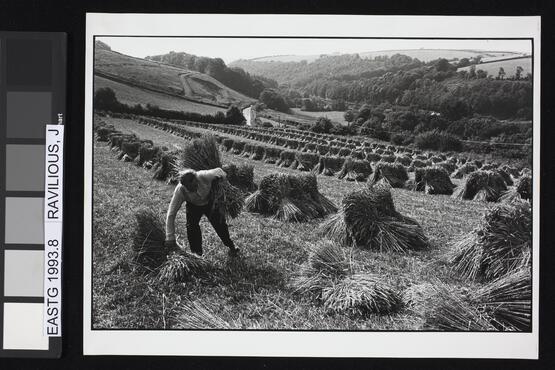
(160, 78)
(132, 95)
(299, 73)
(234, 78)
(509, 65)
(424, 55)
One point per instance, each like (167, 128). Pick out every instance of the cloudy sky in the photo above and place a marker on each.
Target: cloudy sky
(247, 48)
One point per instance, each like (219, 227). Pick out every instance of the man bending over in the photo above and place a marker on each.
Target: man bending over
(194, 188)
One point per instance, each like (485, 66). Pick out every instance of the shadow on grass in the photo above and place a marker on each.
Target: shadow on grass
(240, 272)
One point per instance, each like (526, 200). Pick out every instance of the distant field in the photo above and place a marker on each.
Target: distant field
(133, 95)
(424, 55)
(335, 116)
(277, 116)
(508, 65)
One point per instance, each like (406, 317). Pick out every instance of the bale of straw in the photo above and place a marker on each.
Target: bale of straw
(393, 174)
(464, 170)
(373, 157)
(306, 161)
(203, 154)
(449, 310)
(326, 262)
(387, 158)
(241, 176)
(180, 265)
(358, 154)
(131, 149)
(481, 185)
(416, 163)
(166, 166)
(355, 170)
(146, 154)
(524, 187)
(510, 170)
(286, 158)
(369, 220)
(271, 155)
(329, 276)
(227, 144)
(194, 315)
(309, 147)
(258, 152)
(289, 198)
(344, 152)
(237, 147)
(508, 300)
(506, 177)
(247, 150)
(500, 245)
(320, 205)
(489, 166)
(361, 294)
(148, 240)
(447, 166)
(525, 172)
(103, 133)
(433, 180)
(127, 158)
(331, 165)
(405, 161)
(322, 149)
(115, 140)
(436, 159)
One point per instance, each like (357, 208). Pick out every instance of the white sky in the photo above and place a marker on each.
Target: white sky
(230, 49)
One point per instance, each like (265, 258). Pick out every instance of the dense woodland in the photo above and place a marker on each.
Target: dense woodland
(399, 80)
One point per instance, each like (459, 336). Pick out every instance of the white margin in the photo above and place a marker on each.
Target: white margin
(307, 344)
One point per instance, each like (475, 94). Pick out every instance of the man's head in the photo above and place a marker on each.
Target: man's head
(188, 178)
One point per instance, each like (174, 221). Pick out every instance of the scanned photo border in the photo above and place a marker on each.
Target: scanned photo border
(535, 206)
(314, 330)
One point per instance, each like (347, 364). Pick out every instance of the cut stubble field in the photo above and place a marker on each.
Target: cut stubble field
(253, 291)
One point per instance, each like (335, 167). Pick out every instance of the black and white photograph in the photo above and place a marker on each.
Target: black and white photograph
(296, 184)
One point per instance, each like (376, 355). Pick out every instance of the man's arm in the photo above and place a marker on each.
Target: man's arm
(210, 175)
(175, 205)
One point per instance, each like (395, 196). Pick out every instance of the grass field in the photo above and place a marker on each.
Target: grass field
(254, 290)
(132, 95)
(424, 55)
(508, 65)
(334, 116)
(163, 78)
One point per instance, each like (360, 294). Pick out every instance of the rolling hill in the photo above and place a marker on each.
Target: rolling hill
(297, 70)
(162, 81)
(424, 55)
(509, 65)
(131, 95)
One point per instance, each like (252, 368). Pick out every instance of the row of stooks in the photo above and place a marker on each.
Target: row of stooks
(336, 145)
(433, 176)
(497, 253)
